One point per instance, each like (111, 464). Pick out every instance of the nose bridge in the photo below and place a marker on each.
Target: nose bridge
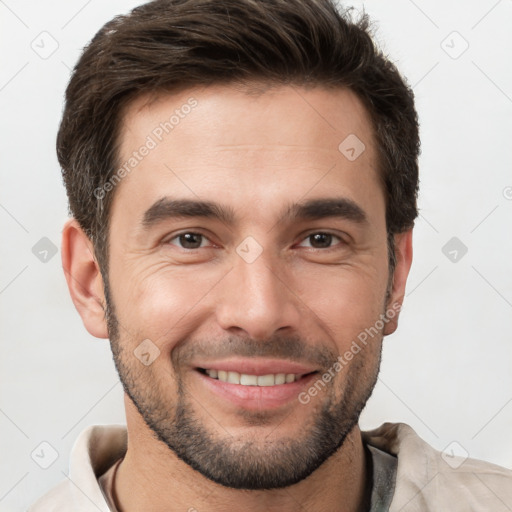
(256, 297)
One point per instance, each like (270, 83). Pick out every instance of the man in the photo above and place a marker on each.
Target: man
(243, 177)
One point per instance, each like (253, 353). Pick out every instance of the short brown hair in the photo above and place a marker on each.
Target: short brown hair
(167, 45)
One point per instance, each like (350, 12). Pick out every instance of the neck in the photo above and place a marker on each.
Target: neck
(151, 477)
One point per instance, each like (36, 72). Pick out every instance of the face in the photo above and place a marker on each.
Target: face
(247, 254)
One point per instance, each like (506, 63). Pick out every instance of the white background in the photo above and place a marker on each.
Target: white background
(447, 371)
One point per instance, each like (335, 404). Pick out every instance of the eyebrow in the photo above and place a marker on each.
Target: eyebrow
(314, 209)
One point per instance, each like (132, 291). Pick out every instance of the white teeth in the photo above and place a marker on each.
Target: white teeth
(245, 379)
(248, 380)
(233, 377)
(281, 378)
(266, 380)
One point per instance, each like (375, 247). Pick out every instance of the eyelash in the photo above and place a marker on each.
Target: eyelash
(342, 242)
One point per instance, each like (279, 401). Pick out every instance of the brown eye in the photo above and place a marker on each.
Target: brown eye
(188, 240)
(321, 240)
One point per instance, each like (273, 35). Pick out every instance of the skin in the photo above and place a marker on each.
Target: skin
(254, 154)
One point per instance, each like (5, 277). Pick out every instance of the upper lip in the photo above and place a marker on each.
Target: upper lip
(256, 366)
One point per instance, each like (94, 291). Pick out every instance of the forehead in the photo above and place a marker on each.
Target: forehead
(233, 112)
(278, 143)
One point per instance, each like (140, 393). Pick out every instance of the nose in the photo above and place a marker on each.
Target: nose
(258, 299)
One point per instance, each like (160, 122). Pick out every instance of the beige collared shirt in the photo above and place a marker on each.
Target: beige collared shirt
(424, 481)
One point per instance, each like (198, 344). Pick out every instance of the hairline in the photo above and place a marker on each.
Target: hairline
(255, 86)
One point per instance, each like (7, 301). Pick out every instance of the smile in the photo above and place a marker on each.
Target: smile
(256, 387)
(245, 379)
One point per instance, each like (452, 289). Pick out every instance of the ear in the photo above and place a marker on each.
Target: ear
(83, 277)
(403, 251)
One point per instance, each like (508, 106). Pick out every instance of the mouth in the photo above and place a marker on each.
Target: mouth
(253, 385)
(246, 379)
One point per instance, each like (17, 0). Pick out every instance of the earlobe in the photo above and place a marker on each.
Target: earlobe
(403, 251)
(83, 277)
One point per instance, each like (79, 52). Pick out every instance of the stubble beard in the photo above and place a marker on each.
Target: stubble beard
(251, 464)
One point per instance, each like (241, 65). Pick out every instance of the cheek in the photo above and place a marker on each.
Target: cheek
(346, 301)
(162, 303)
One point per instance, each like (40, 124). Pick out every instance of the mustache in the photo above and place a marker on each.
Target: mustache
(292, 348)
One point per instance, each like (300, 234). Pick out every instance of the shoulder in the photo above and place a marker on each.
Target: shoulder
(54, 500)
(95, 450)
(429, 480)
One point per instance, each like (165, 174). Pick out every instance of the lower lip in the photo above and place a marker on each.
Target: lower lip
(257, 397)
